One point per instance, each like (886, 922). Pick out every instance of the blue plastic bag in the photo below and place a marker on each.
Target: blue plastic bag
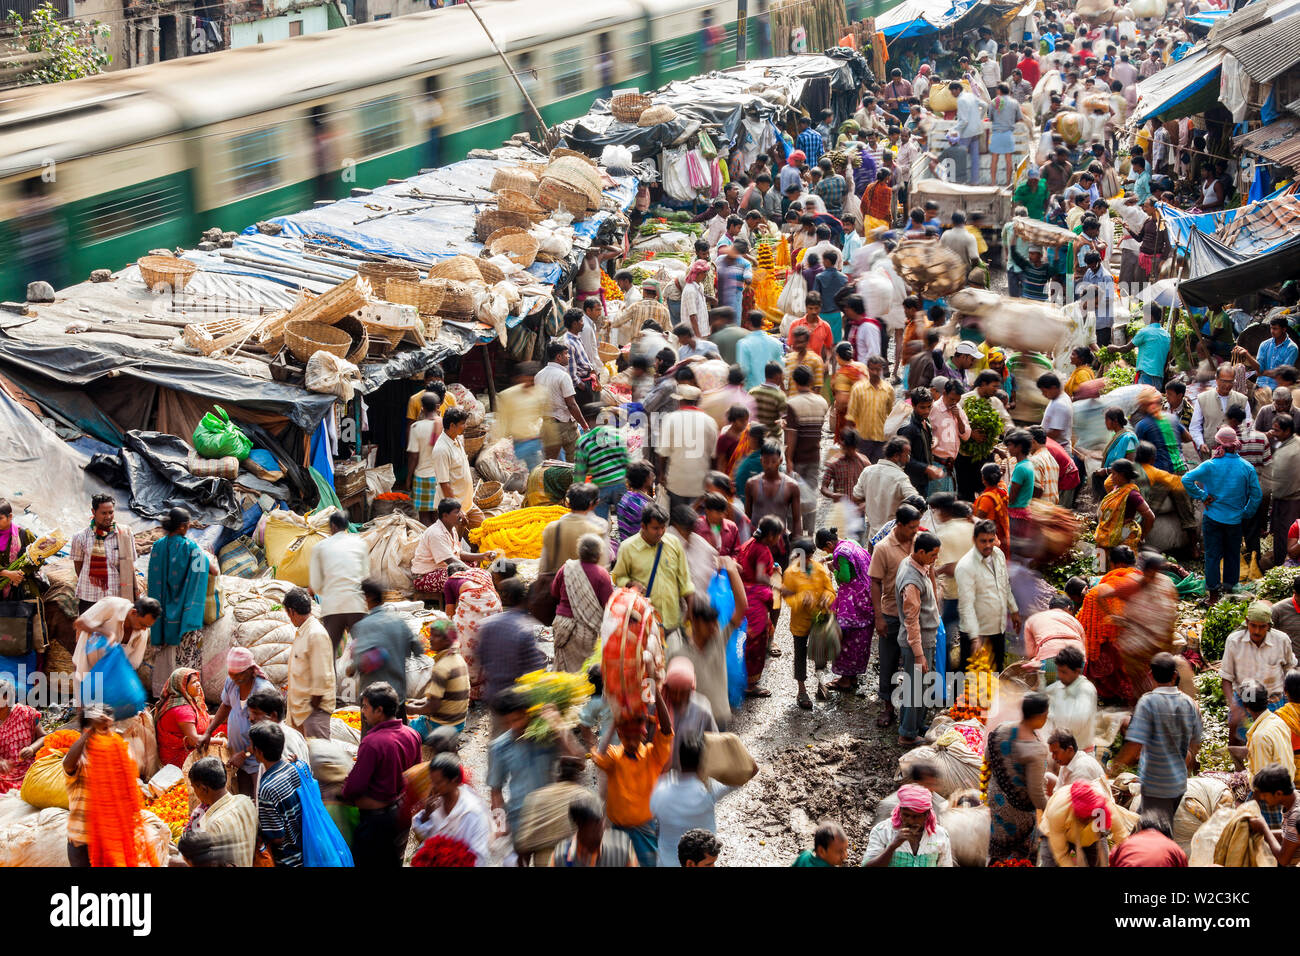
(724, 601)
(322, 843)
(941, 659)
(111, 681)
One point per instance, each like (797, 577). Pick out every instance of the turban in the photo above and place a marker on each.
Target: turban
(914, 797)
(1259, 612)
(1086, 800)
(1227, 440)
(240, 659)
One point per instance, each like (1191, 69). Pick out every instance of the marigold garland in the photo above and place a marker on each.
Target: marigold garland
(517, 534)
(60, 741)
(173, 808)
(114, 823)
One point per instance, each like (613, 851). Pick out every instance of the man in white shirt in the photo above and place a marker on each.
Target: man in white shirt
(970, 128)
(451, 468)
(1058, 416)
(419, 458)
(1072, 699)
(338, 566)
(686, 440)
(1212, 407)
(960, 240)
(310, 693)
(984, 597)
(882, 487)
(562, 420)
(1072, 763)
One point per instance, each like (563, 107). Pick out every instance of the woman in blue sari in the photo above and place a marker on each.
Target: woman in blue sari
(178, 580)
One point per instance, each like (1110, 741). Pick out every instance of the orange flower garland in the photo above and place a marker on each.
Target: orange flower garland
(173, 808)
(114, 824)
(60, 741)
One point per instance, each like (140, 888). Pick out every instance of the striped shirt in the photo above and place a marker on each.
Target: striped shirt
(279, 813)
(769, 407)
(449, 686)
(793, 360)
(580, 363)
(1047, 475)
(630, 507)
(806, 413)
(601, 457)
(615, 850)
(1166, 724)
(869, 407)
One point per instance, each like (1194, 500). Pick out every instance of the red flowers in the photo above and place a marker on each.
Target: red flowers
(444, 851)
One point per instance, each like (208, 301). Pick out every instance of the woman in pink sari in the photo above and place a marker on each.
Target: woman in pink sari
(475, 603)
(20, 736)
(756, 569)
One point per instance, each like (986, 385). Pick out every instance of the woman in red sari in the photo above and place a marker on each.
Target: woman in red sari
(1099, 616)
(757, 568)
(20, 736)
(183, 716)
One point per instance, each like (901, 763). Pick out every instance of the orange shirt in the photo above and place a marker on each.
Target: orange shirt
(820, 340)
(627, 799)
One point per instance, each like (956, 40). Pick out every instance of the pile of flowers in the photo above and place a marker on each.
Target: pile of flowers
(1015, 861)
(516, 534)
(173, 808)
(444, 851)
(562, 691)
(608, 286)
(60, 741)
(977, 689)
(393, 496)
(350, 717)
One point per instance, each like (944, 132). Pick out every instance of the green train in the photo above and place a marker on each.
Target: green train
(96, 172)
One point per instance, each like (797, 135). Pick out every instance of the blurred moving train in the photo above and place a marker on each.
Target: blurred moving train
(97, 171)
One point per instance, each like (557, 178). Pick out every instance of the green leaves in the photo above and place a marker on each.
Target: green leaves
(1220, 621)
(69, 45)
(983, 416)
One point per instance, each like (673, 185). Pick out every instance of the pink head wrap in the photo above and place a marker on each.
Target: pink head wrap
(1226, 439)
(1086, 800)
(914, 797)
(797, 157)
(240, 659)
(680, 674)
(698, 268)
(924, 70)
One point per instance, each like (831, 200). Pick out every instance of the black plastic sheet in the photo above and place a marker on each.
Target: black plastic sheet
(1249, 275)
(152, 468)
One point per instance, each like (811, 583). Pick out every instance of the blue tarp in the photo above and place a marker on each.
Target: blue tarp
(920, 17)
(424, 230)
(1180, 225)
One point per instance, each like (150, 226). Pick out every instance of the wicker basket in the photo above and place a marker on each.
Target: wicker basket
(488, 494)
(360, 350)
(457, 301)
(608, 353)
(520, 247)
(555, 194)
(426, 296)
(537, 169)
(473, 440)
(628, 107)
(560, 152)
(656, 115)
(490, 273)
(512, 200)
(380, 272)
(460, 268)
(305, 338)
(492, 219)
(503, 232)
(520, 180)
(167, 271)
(574, 171)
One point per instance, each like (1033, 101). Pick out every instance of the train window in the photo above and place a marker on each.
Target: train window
(638, 54)
(481, 97)
(569, 68)
(129, 210)
(382, 132)
(683, 51)
(253, 161)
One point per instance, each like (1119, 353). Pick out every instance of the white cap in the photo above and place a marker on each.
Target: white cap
(967, 348)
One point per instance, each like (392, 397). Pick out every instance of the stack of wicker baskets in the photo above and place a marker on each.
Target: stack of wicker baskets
(517, 244)
(457, 300)
(571, 183)
(425, 295)
(516, 178)
(492, 219)
(628, 107)
(378, 273)
(512, 200)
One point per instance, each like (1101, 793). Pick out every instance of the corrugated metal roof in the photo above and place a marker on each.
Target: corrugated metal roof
(1248, 18)
(1270, 51)
(1278, 142)
(1293, 107)
(1263, 225)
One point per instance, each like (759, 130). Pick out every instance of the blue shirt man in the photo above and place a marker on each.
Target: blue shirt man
(1275, 351)
(754, 351)
(1228, 485)
(1152, 343)
(810, 141)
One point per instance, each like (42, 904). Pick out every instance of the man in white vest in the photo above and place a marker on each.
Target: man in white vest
(1212, 404)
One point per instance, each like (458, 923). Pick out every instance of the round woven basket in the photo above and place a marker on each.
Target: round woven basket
(426, 296)
(457, 301)
(360, 338)
(572, 170)
(537, 169)
(928, 268)
(489, 493)
(166, 270)
(492, 219)
(378, 273)
(520, 247)
(520, 180)
(656, 115)
(560, 152)
(305, 338)
(628, 107)
(502, 233)
(490, 273)
(556, 194)
(608, 353)
(460, 268)
(473, 440)
(512, 200)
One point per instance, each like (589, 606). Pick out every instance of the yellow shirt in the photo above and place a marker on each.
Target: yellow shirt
(1080, 375)
(869, 407)
(415, 408)
(980, 244)
(519, 413)
(1269, 741)
(816, 582)
(812, 360)
(311, 672)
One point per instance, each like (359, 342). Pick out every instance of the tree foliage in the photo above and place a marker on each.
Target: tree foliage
(69, 47)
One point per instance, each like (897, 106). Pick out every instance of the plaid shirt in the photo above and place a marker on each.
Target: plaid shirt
(83, 542)
(810, 141)
(832, 190)
(1047, 475)
(841, 474)
(580, 366)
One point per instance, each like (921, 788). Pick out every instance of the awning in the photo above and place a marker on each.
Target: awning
(1253, 229)
(1251, 275)
(917, 17)
(1206, 254)
(1278, 142)
(1270, 51)
(1207, 19)
(1185, 88)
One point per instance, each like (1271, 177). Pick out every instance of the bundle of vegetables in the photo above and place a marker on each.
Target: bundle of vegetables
(173, 808)
(1118, 375)
(1209, 687)
(554, 698)
(1076, 564)
(982, 417)
(608, 286)
(1220, 621)
(516, 534)
(1278, 583)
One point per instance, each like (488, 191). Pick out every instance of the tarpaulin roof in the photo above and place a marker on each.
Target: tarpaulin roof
(1207, 18)
(916, 17)
(1264, 225)
(1184, 88)
(760, 88)
(1247, 276)
(1277, 142)
(1206, 254)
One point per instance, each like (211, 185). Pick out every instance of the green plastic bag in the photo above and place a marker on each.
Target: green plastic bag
(217, 436)
(1191, 586)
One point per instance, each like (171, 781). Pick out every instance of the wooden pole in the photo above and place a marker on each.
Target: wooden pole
(509, 69)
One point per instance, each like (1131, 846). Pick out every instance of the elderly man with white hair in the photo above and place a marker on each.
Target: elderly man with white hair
(1283, 404)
